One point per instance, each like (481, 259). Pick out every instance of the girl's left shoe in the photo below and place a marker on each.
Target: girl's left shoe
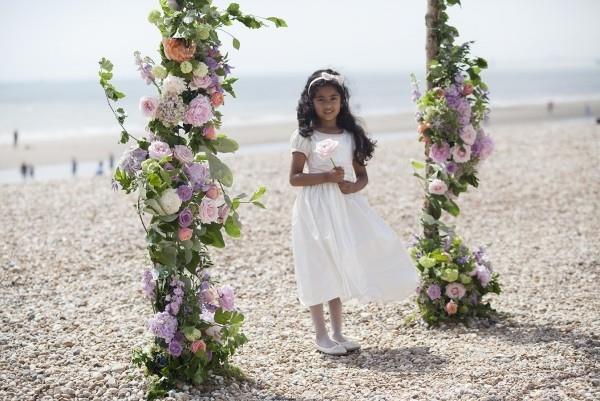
(349, 345)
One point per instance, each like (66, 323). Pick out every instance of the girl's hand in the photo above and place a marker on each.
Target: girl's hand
(335, 175)
(347, 187)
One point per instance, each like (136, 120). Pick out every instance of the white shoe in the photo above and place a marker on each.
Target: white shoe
(349, 345)
(337, 349)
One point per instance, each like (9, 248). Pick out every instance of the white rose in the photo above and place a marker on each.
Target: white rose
(201, 70)
(170, 201)
(173, 85)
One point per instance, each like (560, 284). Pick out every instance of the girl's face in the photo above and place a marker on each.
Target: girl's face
(327, 103)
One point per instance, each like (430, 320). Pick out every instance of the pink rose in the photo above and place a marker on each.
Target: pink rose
(325, 148)
(438, 187)
(439, 152)
(198, 345)
(148, 106)
(199, 111)
(157, 150)
(468, 134)
(213, 191)
(461, 154)
(451, 308)
(209, 133)
(201, 82)
(216, 99)
(223, 213)
(209, 213)
(183, 154)
(467, 89)
(455, 290)
(184, 233)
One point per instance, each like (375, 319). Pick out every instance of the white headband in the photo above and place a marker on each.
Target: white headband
(327, 77)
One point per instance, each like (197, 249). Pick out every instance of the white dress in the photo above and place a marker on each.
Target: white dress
(342, 248)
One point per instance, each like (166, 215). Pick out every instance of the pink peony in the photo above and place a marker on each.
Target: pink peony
(158, 149)
(209, 133)
(198, 345)
(184, 233)
(455, 290)
(227, 297)
(212, 192)
(440, 152)
(438, 187)
(325, 148)
(484, 275)
(183, 154)
(200, 82)
(148, 106)
(468, 135)
(451, 308)
(461, 154)
(199, 112)
(209, 213)
(223, 213)
(210, 296)
(216, 99)
(487, 147)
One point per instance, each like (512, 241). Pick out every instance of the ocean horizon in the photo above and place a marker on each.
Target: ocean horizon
(61, 109)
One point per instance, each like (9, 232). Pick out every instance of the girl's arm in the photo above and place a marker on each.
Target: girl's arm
(300, 179)
(362, 179)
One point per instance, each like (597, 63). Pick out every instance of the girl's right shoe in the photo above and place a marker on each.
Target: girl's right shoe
(337, 349)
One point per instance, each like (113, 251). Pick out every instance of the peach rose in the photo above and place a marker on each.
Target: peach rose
(423, 127)
(185, 233)
(467, 89)
(198, 345)
(176, 49)
(209, 133)
(216, 99)
(451, 308)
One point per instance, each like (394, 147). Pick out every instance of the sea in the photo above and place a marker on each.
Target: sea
(51, 110)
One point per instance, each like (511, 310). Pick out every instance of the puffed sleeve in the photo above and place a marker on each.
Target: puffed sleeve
(298, 143)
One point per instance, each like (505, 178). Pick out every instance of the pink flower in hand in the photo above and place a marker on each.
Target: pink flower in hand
(326, 148)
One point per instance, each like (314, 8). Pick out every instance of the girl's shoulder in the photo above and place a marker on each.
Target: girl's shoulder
(299, 143)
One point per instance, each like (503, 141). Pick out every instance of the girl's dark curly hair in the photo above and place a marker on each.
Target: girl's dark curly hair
(307, 116)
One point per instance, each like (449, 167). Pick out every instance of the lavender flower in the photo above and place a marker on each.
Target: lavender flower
(163, 325)
(226, 297)
(185, 193)
(434, 292)
(186, 217)
(148, 283)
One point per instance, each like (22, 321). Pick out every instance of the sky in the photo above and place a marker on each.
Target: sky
(63, 39)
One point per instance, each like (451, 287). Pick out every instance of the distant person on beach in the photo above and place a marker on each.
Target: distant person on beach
(587, 110)
(31, 171)
(342, 248)
(74, 166)
(111, 161)
(550, 107)
(24, 170)
(15, 138)
(100, 168)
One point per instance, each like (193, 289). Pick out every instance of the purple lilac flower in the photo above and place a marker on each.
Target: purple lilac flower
(186, 217)
(227, 298)
(144, 68)
(176, 298)
(211, 63)
(415, 95)
(462, 260)
(148, 283)
(163, 325)
(452, 92)
(459, 78)
(434, 292)
(185, 193)
(227, 69)
(483, 275)
(175, 348)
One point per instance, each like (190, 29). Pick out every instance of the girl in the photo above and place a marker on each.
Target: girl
(342, 249)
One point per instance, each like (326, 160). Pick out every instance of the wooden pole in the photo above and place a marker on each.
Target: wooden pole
(431, 48)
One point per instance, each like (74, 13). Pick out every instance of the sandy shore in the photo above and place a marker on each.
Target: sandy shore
(95, 148)
(71, 253)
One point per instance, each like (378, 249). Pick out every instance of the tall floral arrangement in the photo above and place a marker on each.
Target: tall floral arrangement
(450, 120)
(181, 187)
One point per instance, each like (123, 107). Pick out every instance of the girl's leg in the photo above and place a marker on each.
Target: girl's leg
(335, 313)
(318, 318)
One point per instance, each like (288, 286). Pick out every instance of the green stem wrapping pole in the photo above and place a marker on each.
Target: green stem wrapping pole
(432, 49)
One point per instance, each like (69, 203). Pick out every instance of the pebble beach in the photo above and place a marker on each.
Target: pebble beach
(72, 251)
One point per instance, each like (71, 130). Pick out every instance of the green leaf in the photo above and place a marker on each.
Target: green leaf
(260, 205)
(219, 170)
(232, 227)
(191, 333)
(258, 194)
(225, 145)
(451, 207)
(223, 316)
(236, 43)
(234, 9)
(279, 23)
(124, 137)
(417, 165)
